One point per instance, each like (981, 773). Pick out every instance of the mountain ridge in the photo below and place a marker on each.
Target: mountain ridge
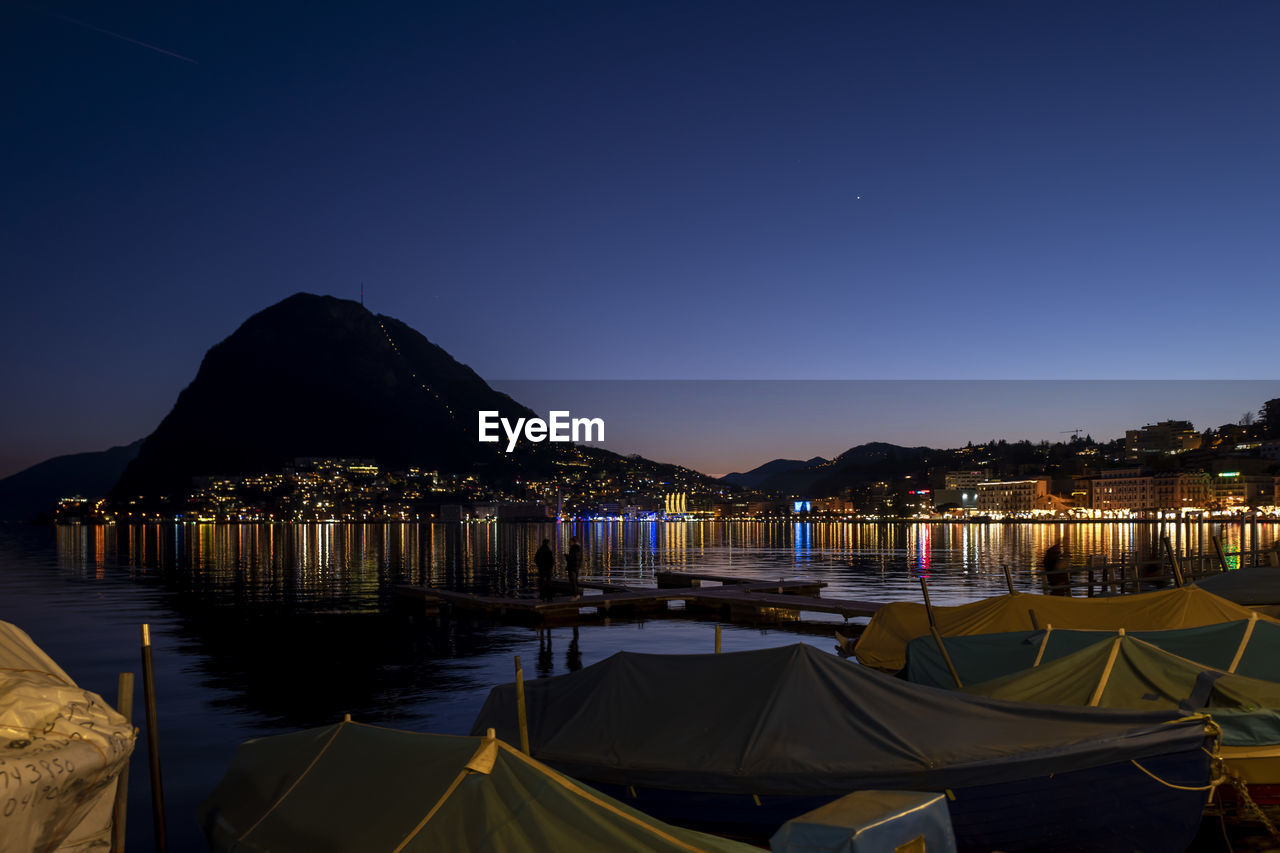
(324, 377)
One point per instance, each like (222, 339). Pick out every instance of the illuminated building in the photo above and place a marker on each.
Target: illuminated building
(1162, 437)
(1013, 496)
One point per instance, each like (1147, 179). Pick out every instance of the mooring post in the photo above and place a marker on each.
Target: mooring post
(153, 741)
(124, 704)
(1008, 577)
(1222, 555)
(1173, 559)
(717, 639)
(521, 711)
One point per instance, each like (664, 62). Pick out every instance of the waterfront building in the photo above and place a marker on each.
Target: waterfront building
(965, 481)
(1180, 489)
(524, 511)
(835, 506)
(1122, 489)
(1238, 489)
(1009, 497)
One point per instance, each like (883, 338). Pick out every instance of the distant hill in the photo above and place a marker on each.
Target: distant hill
(753, 478)
(323, 377)
(858, 465)
(36, 490)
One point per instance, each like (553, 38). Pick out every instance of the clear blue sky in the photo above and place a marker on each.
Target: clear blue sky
(808, 190)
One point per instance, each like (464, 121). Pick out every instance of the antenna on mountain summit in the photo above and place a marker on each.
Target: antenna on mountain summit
(362, 294)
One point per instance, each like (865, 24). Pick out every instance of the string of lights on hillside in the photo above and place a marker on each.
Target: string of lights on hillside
(414, 375)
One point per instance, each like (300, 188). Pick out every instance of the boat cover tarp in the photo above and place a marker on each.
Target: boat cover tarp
(1252, 586)
(1136, 674)
(63, 749)
(982, 657)
(353, 787)
(884, 642)
(794, 720)
(870, 822)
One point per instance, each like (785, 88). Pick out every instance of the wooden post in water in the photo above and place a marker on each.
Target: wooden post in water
(1253, 538)
(937, 635)
(521, 711)
(717, 638)
(1173, 559)
(1222, 555)
(124, 704)
(1200, 570)
(153, 741)
(1008, 577)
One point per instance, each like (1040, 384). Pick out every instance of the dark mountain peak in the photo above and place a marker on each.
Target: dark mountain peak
(756, 476)
(874, 451)
(319, 376)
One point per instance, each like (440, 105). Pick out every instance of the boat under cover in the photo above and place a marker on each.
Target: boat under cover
(1127, 672)
(743, 742)
(354, 787)
(1252, 586)
(61, 752)
(1248, 647)
(884, 642)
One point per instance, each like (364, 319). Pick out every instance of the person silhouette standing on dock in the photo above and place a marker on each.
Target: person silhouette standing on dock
(545, 560)
(1056, 576)
(573, 565)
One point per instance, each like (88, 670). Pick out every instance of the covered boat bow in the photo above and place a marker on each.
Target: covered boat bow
(731, 741)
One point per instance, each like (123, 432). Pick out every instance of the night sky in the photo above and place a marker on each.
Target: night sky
(648, 190)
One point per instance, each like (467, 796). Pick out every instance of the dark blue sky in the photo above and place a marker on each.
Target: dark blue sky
(638, 190)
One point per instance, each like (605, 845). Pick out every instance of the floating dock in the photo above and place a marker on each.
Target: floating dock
(735, 599)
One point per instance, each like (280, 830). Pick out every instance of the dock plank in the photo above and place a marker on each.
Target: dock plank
(796, 603)
(735, 600)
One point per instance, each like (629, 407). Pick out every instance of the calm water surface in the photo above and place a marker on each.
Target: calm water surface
(262, 629)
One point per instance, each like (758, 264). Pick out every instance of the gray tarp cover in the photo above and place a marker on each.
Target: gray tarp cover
(1251, 586)
(797, 720)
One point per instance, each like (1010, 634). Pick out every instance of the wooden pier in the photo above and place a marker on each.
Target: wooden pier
(736, 599)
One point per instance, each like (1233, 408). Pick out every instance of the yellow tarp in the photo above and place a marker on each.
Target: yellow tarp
(884, 643)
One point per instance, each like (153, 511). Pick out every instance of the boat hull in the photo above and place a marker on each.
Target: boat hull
(1115, 808)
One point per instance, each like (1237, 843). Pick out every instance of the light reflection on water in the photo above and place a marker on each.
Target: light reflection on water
(352, 566)
(260, 629)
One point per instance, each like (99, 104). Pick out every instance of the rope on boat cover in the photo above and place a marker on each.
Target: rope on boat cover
(1044, 642)
(1106, 672)
(1244, 641)
(289, 791)
(1212, 784)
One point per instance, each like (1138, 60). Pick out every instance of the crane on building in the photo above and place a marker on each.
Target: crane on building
(1075, 433)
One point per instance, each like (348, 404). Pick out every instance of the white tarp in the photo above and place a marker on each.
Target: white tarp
(61, 752)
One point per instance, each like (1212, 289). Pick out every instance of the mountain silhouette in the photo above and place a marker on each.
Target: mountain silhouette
(36, 490)
(756, 476)
(317, 376)
(876, 460)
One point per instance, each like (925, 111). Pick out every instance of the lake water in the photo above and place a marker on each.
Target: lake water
(262, 629)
